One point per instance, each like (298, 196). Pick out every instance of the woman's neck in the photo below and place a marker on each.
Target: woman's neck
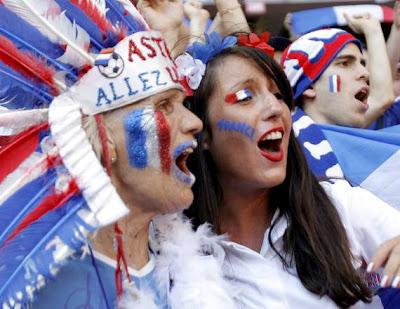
(135, 229)
(246, 215)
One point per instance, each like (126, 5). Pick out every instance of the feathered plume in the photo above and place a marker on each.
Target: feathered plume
(92, 11)
(23, 45)
(132, 10)
(50, 203)
(18, 92)
(12, 23)
(21, 148)
(87, 15)
(38, 251)
(28, 65)
(15, 208)
(48, 18)
(121, 13)
(18, 121)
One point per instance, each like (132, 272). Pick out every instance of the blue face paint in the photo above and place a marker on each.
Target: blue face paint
(234, 126)
(135, 136)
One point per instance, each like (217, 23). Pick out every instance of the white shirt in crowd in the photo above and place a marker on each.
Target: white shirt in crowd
(258, 278)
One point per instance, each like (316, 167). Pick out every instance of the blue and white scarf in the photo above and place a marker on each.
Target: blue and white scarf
(366, 158)
(320, 156)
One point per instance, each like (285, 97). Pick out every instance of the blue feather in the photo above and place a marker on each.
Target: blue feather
(214, 44)
(23, 45)
(117, 15)
(30, 255)
(75, 14)
(15, 208)
(21, 93)
(14, 24)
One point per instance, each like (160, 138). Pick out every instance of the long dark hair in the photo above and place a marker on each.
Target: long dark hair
(315, 240)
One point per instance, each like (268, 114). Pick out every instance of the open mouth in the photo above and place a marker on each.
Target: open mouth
(270, 144)
(362, 96)
(180, 155)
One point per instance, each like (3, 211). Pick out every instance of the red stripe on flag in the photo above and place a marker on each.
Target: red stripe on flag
(24, 144)
(164, 141)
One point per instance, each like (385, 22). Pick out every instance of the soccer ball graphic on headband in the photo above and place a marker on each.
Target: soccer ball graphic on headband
(110, 65)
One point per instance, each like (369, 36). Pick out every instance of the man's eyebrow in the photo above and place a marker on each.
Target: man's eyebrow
(345, 57)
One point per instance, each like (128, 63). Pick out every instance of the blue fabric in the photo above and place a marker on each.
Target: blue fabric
(361, 151)
(77, 286)
(390, 298)
(390, 118)
(309, 20)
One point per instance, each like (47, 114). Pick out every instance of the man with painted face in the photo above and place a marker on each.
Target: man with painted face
(113, 146)
(334, 93)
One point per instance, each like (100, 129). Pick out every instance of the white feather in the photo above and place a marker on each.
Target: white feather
(133, 298)
(47, 17)
(18, 121)
(30, 169)
(197, 277)
(101, 5)
(131, 9)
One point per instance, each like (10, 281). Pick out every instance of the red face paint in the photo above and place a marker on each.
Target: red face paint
(164, 141)
(230, 98)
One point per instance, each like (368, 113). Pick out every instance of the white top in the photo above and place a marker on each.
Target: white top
(259, 279)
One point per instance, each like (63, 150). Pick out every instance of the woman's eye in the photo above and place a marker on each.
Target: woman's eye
(166, 106)
(343, 64)
(240, 96)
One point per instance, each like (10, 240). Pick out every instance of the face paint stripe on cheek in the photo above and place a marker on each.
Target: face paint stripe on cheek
(234, 126)
(334, 83)
(152, 142)
(164, 138)
(135, 137)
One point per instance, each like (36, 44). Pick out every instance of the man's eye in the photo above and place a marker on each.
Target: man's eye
(166, 106)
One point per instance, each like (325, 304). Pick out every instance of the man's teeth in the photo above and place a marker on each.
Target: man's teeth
(273, 136)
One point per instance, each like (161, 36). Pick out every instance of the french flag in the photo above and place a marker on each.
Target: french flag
(334, 83)
(369, 158)
(149, 140)
(306, 21)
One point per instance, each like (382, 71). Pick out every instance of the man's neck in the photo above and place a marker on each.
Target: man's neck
(135, 229)
(246, 215)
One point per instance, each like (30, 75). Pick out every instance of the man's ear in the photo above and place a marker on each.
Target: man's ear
(309, 94)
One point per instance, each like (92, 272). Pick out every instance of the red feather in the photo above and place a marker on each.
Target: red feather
(95, 15)
(50, 203)
(19, 149)
(26, 63)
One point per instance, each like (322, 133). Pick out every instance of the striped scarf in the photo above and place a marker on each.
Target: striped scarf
(318, 151)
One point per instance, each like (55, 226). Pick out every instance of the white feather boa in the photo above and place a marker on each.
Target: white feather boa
(182, 258)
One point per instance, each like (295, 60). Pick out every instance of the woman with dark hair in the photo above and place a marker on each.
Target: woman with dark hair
(293, 242)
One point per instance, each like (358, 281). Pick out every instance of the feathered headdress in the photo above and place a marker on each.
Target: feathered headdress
(60, 60)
